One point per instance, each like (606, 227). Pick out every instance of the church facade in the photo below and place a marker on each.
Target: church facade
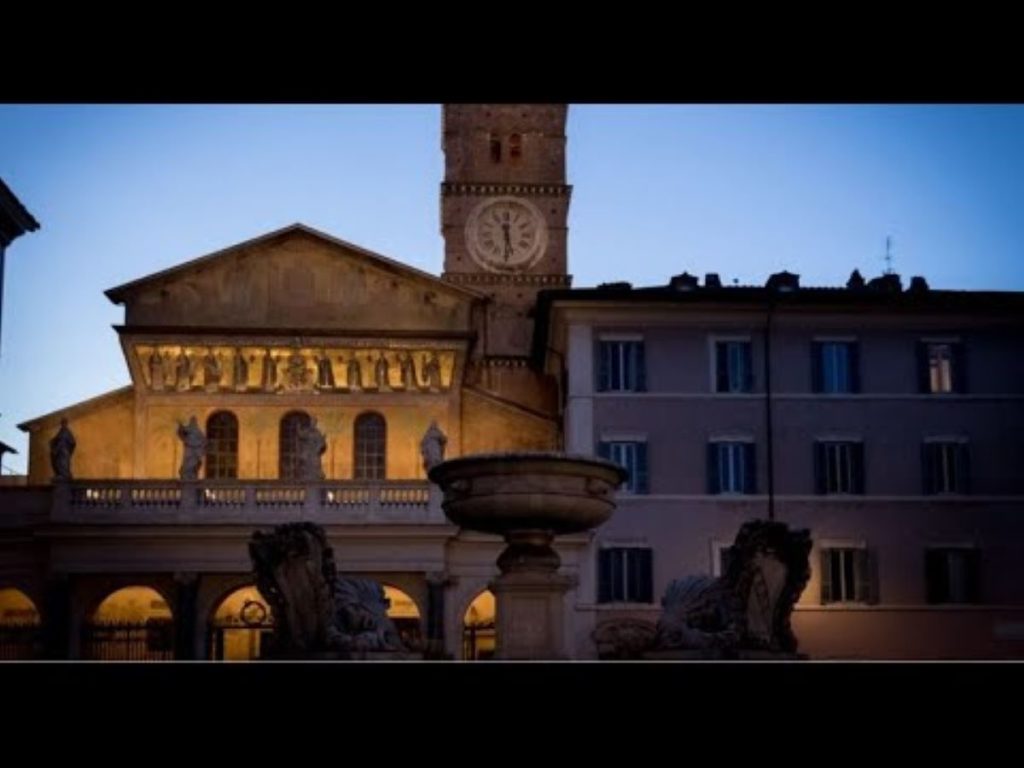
(238, 357)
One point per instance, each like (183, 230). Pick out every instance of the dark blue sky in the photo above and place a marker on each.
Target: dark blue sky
(123, 191)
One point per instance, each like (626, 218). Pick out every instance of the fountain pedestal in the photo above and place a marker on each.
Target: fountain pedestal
(529, 498)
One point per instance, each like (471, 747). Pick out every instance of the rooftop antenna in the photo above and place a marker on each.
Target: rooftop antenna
(888, 255)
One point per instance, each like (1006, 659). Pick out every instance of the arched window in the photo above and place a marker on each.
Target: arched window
(288, 444)
(222, 445)
(515, 146)
(478, 635)
(495, 149)
(241, 626)
(134, 623)
(370, 454)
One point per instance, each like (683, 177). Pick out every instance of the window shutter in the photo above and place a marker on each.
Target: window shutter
(963, 468)
(749, 468)
(826, 576)
(721, 367)
(863, 571)
(854, 363)
(604, 575)
(928, 467)
(640, 481)
(923, 379)
(712, 468)
(602, 352)
(936, 576)
(618, 573)
(973, 558)
(817, 370)
(819, 468)
(748, 368)
(959, 368)
(857, 457)
(639, 367)
(640, 576)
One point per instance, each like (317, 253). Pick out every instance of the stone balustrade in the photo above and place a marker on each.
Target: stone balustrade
(244, 501)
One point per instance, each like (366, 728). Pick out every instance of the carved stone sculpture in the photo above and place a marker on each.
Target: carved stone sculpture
(380, 373)
(312, 446)
(324, 372)
(193, 443)
(212, 370)
(156, 370)
(432, 446)
(298, 371)
(62, 446)
(269, 383)
(354, 373)
(239, 371)
(432, 372)
(748, 608)
(183, 371)
(623, 638)
(408, 369)
(318, 614)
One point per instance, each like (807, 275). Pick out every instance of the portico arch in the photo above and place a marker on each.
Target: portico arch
(241, 625)
(134, 623)
(478, 628)
(19, 625)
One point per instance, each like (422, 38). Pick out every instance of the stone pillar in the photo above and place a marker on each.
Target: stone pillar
(436, 585)
(186, 587)
(530, 599)
(57, 618)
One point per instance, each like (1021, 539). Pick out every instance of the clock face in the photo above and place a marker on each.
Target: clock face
(506, 234)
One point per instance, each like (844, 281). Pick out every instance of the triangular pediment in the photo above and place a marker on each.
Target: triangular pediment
(295, 278)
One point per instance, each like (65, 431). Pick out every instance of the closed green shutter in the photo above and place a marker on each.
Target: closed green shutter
(827, 595)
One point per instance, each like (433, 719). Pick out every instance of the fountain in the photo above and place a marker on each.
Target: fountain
(528, 498)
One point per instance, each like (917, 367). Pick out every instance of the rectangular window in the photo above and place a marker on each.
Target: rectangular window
(951, 574)
(625, 575)
(839, 467)
(731, 467)
(733, 368)
(621, 366)
(835, 367)
(846, 575)
(942, 367)
(631, 454)
(946, 467)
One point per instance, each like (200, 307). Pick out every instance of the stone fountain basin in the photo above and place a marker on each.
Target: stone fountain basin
(501, 493)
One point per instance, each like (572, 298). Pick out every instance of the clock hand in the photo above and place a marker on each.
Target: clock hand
(508, 240)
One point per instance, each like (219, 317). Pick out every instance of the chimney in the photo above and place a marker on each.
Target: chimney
(918, 284)
(783, 282)
(887, 283)
(712, 280)
(683, 282)
(856, 281)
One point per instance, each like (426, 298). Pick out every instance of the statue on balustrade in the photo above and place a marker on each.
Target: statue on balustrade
(324, 372)
(432, 372)
(380, 373)
(212, 370)
(62, 446)
(432, 446)
(193, 443)
(319, 614)
(239, 371)
(312, 447)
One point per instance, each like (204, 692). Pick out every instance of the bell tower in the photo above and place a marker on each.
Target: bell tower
(504, 209)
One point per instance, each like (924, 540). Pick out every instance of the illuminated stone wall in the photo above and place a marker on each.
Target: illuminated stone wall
(490, 425)
(104, 433)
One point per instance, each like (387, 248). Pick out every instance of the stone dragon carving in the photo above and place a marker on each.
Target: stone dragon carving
(748, 608)
(318, 613)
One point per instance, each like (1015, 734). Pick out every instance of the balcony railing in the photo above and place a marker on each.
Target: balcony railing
(239, 501)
